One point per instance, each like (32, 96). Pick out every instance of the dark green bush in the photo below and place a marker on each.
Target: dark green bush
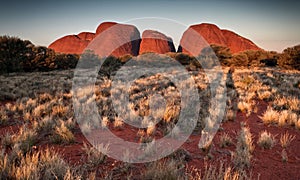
(17, 55)
(290, 58)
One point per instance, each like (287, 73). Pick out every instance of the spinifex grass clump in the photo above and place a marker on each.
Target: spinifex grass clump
(266, 140)
(244, 148)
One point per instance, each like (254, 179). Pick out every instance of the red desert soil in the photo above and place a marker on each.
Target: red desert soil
(266, 164)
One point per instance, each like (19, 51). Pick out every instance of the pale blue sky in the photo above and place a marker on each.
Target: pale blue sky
(270, 24)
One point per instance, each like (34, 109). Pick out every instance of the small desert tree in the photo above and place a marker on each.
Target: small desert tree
(13, 52)
(290, 58)
(223, 53)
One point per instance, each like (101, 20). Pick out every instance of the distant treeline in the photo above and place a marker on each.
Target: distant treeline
(18, 55)
(288, 59)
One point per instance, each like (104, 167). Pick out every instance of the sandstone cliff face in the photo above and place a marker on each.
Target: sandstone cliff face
(72, 44)
(103, 26)
(121, 39)
(154, 41)
(211, 34)
(116, 39)
(238, 43)
(86, 36)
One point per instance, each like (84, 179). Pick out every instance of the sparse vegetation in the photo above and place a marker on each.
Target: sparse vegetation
(62, 134)
(169, 169)
(39, 165)
(41, 104)
(225, 140)
(118, 123)
(266, 140)
(95, 155)
(284, 156)
(244, 149)
(220, 173)
(270, 116)
(286, 139)
(25, 139)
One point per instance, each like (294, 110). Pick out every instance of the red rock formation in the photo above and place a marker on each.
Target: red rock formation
(72, 44)
(192, 43)
(211, 33)
(86, 36)
(121, 39)
(103, 26)
(154, 41)
(237, 43)
(116, 39)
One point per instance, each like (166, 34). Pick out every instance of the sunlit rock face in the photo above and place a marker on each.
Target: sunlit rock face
(212, 34)
(154, 41)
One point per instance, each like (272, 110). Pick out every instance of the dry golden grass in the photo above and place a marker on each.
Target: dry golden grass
(244, 107)
(283, 118)
(293, 103)
(38, 165)
(280, 102)
(62, 134)
(225, 140)
(25, 139)
(95, 155)
(270, 116)
(266, 140)
(104, 122)
(230, 115)
(44, 125)
(211, 172)
(264, 95)
(150, 129)
(242, 155)
(169, 169)
(118, 123)
(52, 110)
(286, 139)
(60, 111)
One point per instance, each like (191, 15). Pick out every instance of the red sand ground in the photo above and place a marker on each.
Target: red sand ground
(266, 164)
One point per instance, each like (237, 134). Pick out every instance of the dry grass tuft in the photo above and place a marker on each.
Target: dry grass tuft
(168, 169)
(244, 148)
(225, 140)
(3, 117)
(37, 165)
(266, 140)
(25, 139)
(286, 139)
(270, 116)
(293, 103)
(212, 172)
(62, 134)
(264, 95)
(244, 107)
(284, 156)
(95, 155)
(118, 123)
